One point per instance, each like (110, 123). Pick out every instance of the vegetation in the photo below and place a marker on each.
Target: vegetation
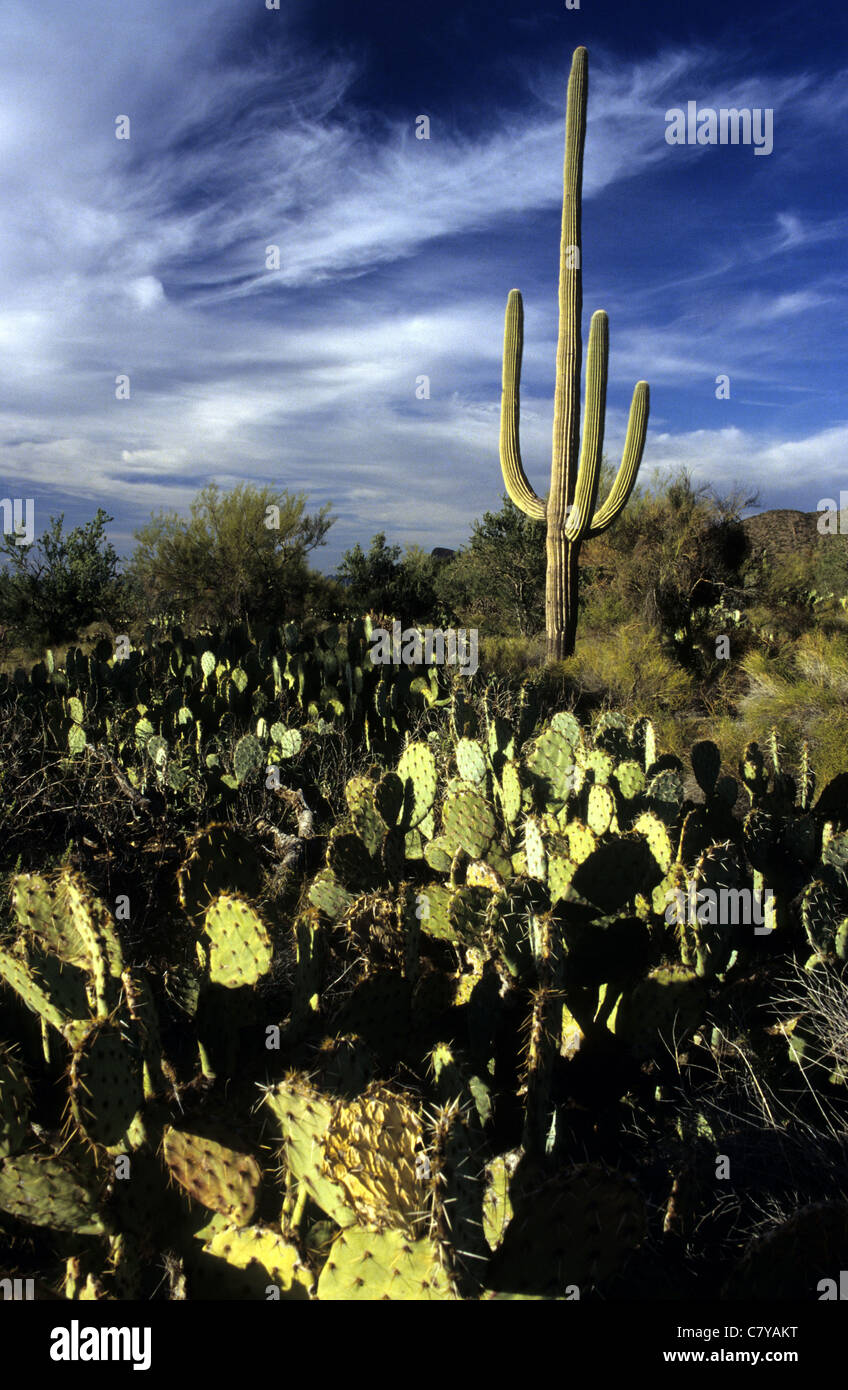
(385, 981)
(48, 591)
(237, 553)
(569, 508)
(441, 927)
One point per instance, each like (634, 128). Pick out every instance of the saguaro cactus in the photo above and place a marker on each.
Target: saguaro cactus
(570, 508)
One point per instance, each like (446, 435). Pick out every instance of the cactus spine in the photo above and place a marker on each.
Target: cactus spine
(570, 508)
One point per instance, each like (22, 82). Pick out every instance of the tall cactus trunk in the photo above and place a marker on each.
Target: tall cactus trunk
(561, 597)
(570, 507)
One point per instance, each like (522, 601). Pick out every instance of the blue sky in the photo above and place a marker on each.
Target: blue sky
(296, 127)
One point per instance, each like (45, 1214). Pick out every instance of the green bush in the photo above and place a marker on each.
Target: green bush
(239, 554)
(52, 589)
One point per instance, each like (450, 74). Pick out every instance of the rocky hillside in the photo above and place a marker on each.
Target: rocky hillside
(783, 532)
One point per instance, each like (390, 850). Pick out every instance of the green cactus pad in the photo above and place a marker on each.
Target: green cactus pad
(534, 850)
(470, 761)
(564, 722)
(248, 758)
(48, 1192)
(236, 942)
(468, 822)
(368, 1264)
(510, 793)
(822, 909)
(643, 741)
(497, 1206)
(328, 895)
(561, 871)
(266, 1258)
(600, 809)
(581, 841)
(664, 795)
(598, 766)
(434, 908)
(42, 910)
(657, 836)
(303, 1116)
(417, 771)
(55, 991)
(437, 854)
(630, 778)
(367, 821)
(551, 763)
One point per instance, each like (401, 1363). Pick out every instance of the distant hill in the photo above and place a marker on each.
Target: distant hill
(785, 532)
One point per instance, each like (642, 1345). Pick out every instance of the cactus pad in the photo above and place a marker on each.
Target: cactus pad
(219, 1178)
(370, 1151)
(237, 942)
(364, 1264)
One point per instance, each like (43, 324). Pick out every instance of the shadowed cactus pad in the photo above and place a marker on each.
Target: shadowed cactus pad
(793, 1260)
(656, 1017)
(105, 1085)
(48, 1192)
(14, 1104)
(218, 859)
(54, 991)
(572, 1229)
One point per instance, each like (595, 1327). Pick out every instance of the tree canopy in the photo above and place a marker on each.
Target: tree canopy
(238, 554)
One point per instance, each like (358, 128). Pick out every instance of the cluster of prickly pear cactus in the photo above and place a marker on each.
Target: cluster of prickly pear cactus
(212, 717)
(504, 936)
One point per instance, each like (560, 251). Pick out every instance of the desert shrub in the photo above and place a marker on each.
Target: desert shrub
(510, 656)
(630, 669)
(382, 580)
(60, 584)
(237, 555)
(803, 692)
(497, 582)
(676, 547)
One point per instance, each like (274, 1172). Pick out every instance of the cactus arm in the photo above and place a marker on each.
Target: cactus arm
(637, 428)
(566, 433)
(515, 478)
(588, 474)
